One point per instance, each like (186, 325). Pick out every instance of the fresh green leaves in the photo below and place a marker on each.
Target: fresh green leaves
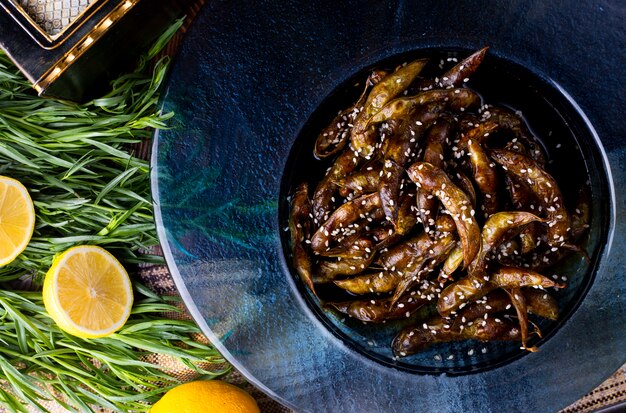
(74, 159)
(41, 362)
(87, 188)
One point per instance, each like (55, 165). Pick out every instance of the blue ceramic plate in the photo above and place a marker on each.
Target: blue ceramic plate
(251, 87)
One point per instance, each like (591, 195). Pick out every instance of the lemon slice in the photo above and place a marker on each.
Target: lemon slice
(17, 219)
(87, 292)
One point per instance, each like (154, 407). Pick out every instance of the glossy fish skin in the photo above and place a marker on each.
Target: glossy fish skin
(433, 180)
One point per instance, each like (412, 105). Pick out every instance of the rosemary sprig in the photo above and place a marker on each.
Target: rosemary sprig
(87, 189)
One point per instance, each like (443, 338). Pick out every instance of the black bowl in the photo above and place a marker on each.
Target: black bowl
(576, 161)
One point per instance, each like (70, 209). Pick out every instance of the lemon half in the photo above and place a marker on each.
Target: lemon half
(17, 219)
(206, 396)
(88, 292)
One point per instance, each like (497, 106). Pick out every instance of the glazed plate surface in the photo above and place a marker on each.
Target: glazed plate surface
(245, 88)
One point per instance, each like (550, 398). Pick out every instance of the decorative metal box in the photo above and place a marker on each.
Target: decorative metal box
(70, 49)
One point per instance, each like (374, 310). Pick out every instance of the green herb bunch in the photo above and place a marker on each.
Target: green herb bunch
(87, 188)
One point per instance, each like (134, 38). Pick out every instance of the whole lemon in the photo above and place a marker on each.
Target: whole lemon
(206, 396)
